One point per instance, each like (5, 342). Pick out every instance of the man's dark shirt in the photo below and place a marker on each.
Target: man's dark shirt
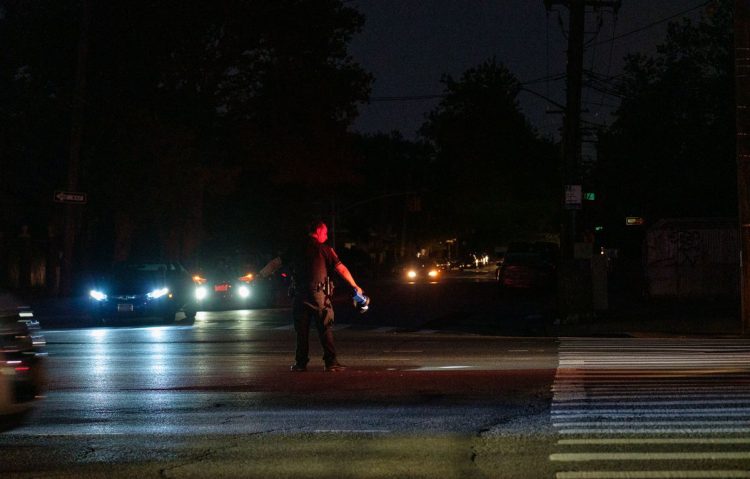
(310, 263)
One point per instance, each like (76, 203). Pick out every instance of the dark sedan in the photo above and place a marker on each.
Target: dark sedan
(526, 270)
(138, 290)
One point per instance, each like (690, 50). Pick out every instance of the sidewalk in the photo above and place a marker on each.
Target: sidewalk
(660, 318)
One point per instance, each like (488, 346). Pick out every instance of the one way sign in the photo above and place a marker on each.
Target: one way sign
(70, 197)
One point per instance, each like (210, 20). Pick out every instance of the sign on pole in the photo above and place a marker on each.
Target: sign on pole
(573, 197)
(69, 197)
(634, 221)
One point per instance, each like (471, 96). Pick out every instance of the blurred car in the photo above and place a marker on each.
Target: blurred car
(22, 353)
(421, 271)
(137, 290)
(527, 267)
(227, 287)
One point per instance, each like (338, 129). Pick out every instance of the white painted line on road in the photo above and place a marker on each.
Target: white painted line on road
(646, 374)
(440, 368)
(602, 401)
(627, 411)
(653, 440)
(351, 431)
(640, 430)
(607, 396)
(640, 413)
(636, 362)
(686, 402)
(690, 474)
(634, 421)
(387, 358)
(285, 328)
(648, 456)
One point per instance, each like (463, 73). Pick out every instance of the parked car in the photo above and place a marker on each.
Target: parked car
(528, 266)
(142, 289)
(22, 368)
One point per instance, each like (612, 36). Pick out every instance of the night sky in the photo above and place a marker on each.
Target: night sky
(408, 44)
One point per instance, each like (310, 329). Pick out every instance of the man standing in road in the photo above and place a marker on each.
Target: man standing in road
(312, 293)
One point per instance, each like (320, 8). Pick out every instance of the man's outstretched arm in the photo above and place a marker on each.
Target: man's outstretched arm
(344, 272)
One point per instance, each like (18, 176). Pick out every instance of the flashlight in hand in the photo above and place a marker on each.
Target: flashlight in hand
(361, 302)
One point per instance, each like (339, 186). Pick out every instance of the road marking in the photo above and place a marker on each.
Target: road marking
(643, 401)
(662, 431)
(653, 440)
(351, 431)
(661, 403)
(689, 474)
(609, 424)
(647, 456)
(636, 414)
(440, 368)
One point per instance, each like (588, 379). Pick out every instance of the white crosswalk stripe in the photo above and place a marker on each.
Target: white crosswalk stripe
(652, 408)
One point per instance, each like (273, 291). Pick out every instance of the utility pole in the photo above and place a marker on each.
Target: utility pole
(742, 87)
(574, 298)
(72, 212)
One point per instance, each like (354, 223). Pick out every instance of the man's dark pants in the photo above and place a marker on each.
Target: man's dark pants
(317, 309)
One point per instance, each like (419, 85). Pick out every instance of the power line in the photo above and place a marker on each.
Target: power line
(653, 24)
(556, 77)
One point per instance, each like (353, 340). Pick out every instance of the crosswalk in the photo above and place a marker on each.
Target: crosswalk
(652, 408)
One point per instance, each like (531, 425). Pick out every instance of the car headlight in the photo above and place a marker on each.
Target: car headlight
(243, 291)
(97, 295)
(158, 293)
(433, 273)
(201, 293)
(411, 274)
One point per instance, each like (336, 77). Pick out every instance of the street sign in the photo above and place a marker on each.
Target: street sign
(573, 197)
(634, 221)
(69, 197)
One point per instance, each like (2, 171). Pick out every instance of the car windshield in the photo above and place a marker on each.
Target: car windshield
(139, 276)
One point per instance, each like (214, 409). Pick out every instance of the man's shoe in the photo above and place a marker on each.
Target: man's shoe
(298, 368)
(331, 368)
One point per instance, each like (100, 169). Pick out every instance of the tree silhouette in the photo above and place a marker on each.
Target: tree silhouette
(670, 151)
(491, 172)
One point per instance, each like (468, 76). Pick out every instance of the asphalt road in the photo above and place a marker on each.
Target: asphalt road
(425, 395)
